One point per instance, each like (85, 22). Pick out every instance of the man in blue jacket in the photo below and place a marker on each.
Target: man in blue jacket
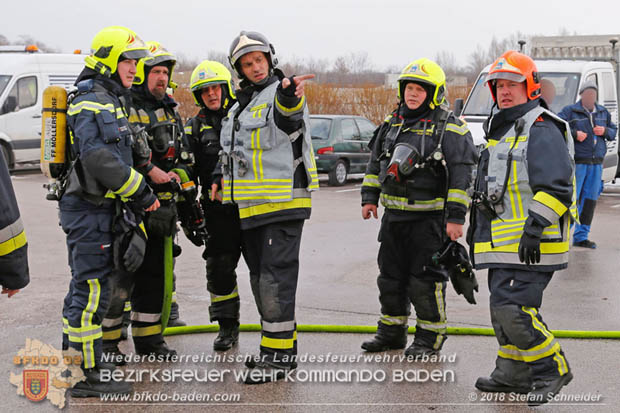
(590, 125)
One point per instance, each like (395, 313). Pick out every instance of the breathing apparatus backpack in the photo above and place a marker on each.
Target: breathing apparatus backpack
(56, 163)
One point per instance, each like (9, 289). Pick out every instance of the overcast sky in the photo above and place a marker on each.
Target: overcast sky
(392, 32)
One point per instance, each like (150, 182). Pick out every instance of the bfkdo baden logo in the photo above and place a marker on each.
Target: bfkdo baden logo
(36, 384)
(47, 373)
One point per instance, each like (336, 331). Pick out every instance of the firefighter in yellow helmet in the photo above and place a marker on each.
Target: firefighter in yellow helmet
(420, 169)
(519, 227)
(102, 185)
(211, 87)
(166, 163)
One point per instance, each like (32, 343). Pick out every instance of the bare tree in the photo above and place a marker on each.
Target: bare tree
(359, 62)
(27, 40)
(3, 40)
(341, 65)
(563, 31)
(185, 63)
(218, 56)
(477, 61)
(481, 57)
(448, 63)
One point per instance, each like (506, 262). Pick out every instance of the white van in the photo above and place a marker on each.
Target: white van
(567, 73)
(24, 75)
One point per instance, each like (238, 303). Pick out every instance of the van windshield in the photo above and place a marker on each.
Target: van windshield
(4, 80)
(565, 84)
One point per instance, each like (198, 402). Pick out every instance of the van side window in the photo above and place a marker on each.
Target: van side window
(24, 92)
(608, 87)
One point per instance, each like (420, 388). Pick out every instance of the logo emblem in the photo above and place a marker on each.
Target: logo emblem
(417, 70)
(35, 384)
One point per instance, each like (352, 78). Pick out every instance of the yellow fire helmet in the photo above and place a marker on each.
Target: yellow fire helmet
(209, 73)
(158, 55)
(110, 44)
(428, 72)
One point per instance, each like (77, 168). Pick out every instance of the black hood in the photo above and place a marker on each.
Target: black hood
(416, 114)
(498, 124)
(412, 116)
(112, 84)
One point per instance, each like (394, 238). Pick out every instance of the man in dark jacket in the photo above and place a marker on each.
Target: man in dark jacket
(425, 199)
(153, 110)
(13, 245)
(523, 198)
(269, 171)
(211, 86)
(101, 183)
(591, 126)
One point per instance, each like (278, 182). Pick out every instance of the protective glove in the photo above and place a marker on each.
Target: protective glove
(529, 246)
(194, 236)
(162, 221)
(454, 258)
(134, 254)
(464, 283)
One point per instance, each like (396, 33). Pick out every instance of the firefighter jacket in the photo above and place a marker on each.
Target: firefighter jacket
(101, 145)
(267, 160)
(161, 125)
(203, 135)
(443, 175)
(13, 244)
(527, 173)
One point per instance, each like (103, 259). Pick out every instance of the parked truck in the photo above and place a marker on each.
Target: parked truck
(24, 74)
(568, 62)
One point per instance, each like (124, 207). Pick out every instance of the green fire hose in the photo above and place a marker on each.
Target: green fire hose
(168, 281)
(321, 328)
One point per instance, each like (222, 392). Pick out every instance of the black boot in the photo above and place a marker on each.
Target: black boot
(113, 354)
(155, 345)
(387, 338)
(489, 384)
(175, 319)
(94, 387)
(417, 350)
(263, 372)
(252, 363)
(545, 389)
(228, 335)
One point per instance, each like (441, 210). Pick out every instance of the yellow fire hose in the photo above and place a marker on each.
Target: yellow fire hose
(321, 328)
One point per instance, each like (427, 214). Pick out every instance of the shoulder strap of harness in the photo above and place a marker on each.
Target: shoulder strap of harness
(442, 117)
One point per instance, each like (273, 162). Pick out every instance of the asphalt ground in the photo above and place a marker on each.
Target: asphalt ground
(337, 286)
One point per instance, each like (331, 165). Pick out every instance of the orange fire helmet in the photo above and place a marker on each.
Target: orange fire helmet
(517, 67)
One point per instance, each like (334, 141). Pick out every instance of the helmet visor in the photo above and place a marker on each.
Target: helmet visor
(134, 54)
(515, 77)
(208, 83)
(158, 60)
(247, 49)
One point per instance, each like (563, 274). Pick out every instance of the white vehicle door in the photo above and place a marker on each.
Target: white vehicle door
(607, 98)
(21, 113)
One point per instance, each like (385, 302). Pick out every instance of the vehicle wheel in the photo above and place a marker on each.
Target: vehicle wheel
(338, 174)
(6, 152)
